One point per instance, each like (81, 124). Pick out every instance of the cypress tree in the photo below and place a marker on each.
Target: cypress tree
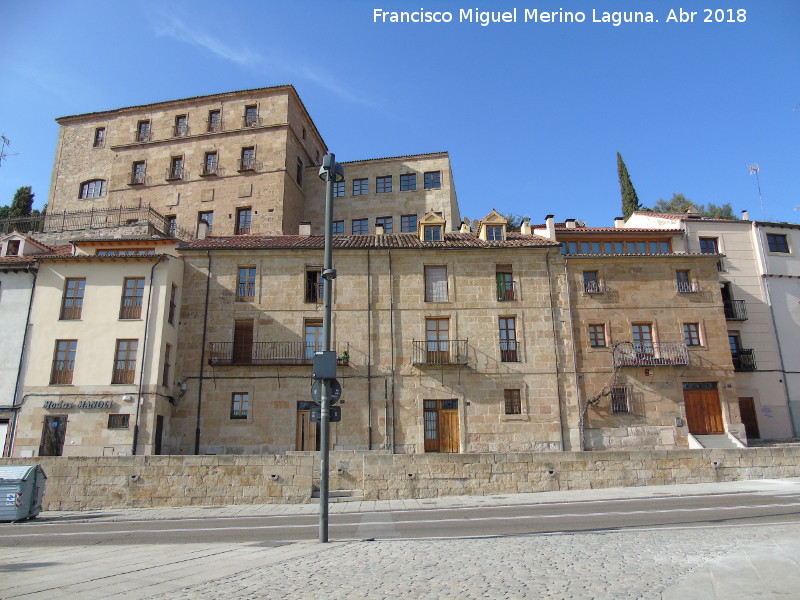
(630, 201)
(23, 202)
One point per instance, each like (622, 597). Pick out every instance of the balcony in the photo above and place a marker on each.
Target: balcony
(688, 287)
(180, 130)
(251, 121)
(248, 164)
(176, 173)
(270, 353)
(594, 287)
(744, 359)
(444, 352)
(652, 354)
(138, 179)
(506, 291)
(735, 310)
(214, 126)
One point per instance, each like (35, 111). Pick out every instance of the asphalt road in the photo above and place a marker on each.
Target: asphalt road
(580, 516)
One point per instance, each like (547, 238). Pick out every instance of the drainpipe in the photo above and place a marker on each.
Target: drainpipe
(14, 406)
(574, 354)
(369, 354)
(139, 399)
(555, 345)
(202, 359)
(389, 442)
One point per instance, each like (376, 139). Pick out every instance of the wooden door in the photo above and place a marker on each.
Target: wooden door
(306, 432)
(747, 410)
(441, 425)
(54, 432)
(448, 431)
(243, 342)
(437, 335)
(703, 411)
(158, 435)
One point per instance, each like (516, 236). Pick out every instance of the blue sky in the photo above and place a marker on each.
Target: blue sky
(532, 114)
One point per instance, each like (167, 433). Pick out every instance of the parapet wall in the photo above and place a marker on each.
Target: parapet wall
(78, 483)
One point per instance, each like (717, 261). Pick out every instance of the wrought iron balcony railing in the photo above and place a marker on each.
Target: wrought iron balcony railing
(509, 351)
(688, 287)
(270, 353)
(175, 173)
(506, 291)
(744, 359)
(180, 130)
(735, 310)
(650, 354)
(138, 179)
(594, 287)
(249, 164)
(207, 170)
(251, 121)
(214, 126)
(444, 352)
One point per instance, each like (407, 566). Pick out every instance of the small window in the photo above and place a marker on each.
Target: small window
(143, 131)
(383, 184)
(360, 226)
(244, 218)
(691, 334)
(208, 217)
(251, 116)
(619, 401)
(240, 405)
(12, 248)
(777, 243)
(214, 122)
(513, 402)
(436, 284)
(125, 361)
(386, 222)
(408, 182)
(338, 228)
(709, 246)
(592, 284)
(181, 126)
(172, 304)
(433, 180)
(299, 174)
(118, 421)
(246, 284)
(175, 168)
(172, 225)
(597, 335)
(433, 233)
(210, 163)
(408, 223)
(72, 300)
(338, 189)
(93, 189)
(360, 187)
(494, 233)
(165, 372)
(315, 286)
(63, 362)
(138, 172)
(685, 284)
(99, 137)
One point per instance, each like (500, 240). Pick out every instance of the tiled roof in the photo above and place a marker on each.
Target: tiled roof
(55, 252)
(126, 240)
(612, 230)
(670, 255)
(345, 242)
(685, 217)
(423, 154)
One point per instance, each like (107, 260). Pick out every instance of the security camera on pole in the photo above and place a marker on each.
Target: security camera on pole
(325, 360)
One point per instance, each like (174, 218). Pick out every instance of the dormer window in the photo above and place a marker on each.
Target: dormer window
(493, 227)
(495, 233)
(431, 228)
(433, 233)
(12, 248)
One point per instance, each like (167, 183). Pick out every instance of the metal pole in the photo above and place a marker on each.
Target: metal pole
(324, 470)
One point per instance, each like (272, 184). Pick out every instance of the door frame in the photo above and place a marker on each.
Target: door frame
(703, 408)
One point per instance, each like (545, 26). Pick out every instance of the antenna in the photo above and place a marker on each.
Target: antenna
(754, 169)
(4, 141)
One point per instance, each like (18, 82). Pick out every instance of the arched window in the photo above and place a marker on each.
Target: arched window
(93, 189)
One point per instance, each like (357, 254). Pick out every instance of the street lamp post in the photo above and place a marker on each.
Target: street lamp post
(330, 172)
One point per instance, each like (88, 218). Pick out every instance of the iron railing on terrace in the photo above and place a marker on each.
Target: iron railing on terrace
(744, 359)
(735, 310)
(650, 354)
(270, 353)
(96, 218)
(440, 352)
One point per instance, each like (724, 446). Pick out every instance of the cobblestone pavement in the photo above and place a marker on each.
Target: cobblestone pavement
(676, 563)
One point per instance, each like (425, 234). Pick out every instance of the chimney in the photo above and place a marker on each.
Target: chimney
(202, 229)
(379, 229)
(619, 222)
(465, 228)
(305, 229)
(550, 227)
(570, 223)
(745, 215)
(525, 227)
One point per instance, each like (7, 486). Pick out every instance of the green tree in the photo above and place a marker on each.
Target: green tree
(680, 203)
(630, 201)
(23, 202)
(514, 221)
(4, 210)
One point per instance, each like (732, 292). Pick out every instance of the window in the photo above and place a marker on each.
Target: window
(214, 120)
(338, 189)
(243, 341)
(777, 243)
(63, 362)
(210, 164)
(175, 168)
(240, 404)
(99, 137)
(408, 182)
(250, 116)
(709, 246)
(244, 217)
(248, 160)
(12, 248)
(315, 286)
(172, 304)
(246, 284)
(118, 421)
(125, 361)
(132, 294)
(691, 334)
(138, 172)
(383, 184)
(93, 189)
(143, 131)
(338, 228)
(172, 225)
(313, 331)
(597, 335)
(433, 233)
(592, 283)
(513, 402)
(299, 173)
(436, 284)
(619, 401)
(360, 226)
(437, 341)
(494, 233)
(684, 283)
(181, 126)
(165, 373)
(508, 340)
(304, 133)
(360, 187)
(433, 179)
(72, 300)
(643, 338)
(505, 283)
(386, 222)
(208, 217)
(408, 223)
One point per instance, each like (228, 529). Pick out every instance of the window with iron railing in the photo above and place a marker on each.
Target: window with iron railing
(685, 285)
(508, 339)
(592, 284)
(620, 401)
(143, 131)
(246, 284)
(63, 362)
(251, 118)
(175, 170)
(72, 300)
(248, 159)
(505, 283)
(181, 127)
(244, 218)
(210, 164)
(214, 123)
(132, 294)
(125, 361)
(138, 173)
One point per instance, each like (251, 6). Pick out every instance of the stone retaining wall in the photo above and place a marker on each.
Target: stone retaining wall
(144, 481)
